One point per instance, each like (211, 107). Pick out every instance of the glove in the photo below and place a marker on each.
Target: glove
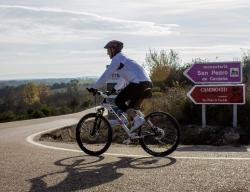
(92, 91)
(112, 91)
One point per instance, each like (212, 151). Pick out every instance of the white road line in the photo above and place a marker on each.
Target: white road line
(31, 140)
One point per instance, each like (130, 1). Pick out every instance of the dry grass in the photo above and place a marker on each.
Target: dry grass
(171, 101)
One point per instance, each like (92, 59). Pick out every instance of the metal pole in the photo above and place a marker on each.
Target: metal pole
(234, 115)
(204, 121)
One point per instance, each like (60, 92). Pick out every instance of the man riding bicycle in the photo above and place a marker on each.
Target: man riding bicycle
(138, 81)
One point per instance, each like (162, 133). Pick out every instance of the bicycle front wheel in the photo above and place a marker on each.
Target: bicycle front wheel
(93, 134)
(160, 134)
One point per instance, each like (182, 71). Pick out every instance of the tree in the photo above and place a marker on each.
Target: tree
(30, 94)
(164, 67)
(246, 65)
(73, 87)
(74, 94)
(44, 92)
(9, 98)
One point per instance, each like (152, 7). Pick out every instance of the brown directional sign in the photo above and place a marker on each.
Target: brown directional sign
(218, 94)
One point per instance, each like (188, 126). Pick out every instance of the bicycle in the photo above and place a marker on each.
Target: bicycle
(158, 136)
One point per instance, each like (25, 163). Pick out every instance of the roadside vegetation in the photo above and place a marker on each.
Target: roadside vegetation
(169, 94)
(32, 100)
(171, 87)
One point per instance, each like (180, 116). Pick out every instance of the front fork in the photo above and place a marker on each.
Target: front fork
(97, 121)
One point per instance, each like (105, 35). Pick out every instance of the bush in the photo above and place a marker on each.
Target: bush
(192, 113)
(7, 116)
(64, 110)
(47, 111)
(86, 104)
(171, 101)
(165, 69)
(37, 114)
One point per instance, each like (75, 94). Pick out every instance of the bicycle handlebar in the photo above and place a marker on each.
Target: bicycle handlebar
(105, 94)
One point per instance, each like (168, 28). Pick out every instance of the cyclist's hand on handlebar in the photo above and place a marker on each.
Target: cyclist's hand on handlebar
(92, 91)
(112, 91)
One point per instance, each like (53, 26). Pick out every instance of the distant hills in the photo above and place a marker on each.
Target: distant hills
(49, 81)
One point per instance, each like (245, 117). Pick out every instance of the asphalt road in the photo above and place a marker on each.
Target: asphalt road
(25, 166)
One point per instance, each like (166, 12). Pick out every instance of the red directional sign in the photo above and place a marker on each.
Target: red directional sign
(218, 94)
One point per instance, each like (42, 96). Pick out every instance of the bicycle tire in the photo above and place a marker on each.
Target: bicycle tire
(86, 141)
(149, 137)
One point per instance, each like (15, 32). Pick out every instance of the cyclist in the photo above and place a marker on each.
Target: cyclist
(135, 76)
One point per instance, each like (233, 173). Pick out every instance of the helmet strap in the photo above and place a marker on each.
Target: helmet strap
(113, 52)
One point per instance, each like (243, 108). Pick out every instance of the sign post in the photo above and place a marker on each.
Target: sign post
(219, 84)
(204, 118)
(234, 116)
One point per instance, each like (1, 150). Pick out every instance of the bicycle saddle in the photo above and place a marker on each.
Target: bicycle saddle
(147, 93)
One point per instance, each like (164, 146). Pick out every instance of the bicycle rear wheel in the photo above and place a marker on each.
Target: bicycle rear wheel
(93, 134)
(160, 134)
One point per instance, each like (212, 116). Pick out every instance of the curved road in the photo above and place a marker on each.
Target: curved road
(28, 167)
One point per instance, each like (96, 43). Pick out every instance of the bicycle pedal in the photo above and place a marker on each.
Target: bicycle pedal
(136, 137)
(127, 141)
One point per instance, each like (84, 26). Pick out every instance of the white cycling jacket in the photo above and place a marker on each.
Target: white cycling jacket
(128, 69)
(121, 84)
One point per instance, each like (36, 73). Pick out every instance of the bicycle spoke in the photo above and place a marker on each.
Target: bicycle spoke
(162, 134)
(93, 134)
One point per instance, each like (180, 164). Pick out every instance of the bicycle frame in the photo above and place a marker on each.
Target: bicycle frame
(109, 106)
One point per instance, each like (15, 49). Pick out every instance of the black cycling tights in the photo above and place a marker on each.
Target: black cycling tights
(132, 93)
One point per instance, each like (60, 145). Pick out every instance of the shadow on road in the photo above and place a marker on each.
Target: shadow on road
(208, 148)
(84, 172)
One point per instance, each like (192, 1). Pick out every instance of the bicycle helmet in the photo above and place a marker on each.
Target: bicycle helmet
(116, 45)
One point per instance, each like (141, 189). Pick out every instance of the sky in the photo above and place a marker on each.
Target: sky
(65, 38)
